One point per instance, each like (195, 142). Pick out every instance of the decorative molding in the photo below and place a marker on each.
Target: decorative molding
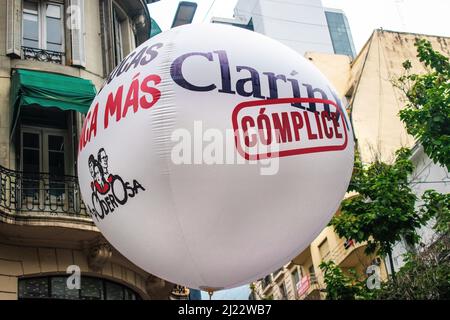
(100, 253)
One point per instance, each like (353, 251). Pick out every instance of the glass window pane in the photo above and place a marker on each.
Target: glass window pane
(30, 6)
(33, 288)
(30, 24)
(54, 34)
(91, 289)
(56, 143)
(31, 140)
(295, 277)
(31, 170)
(59, 289)
(31, 43)
(114, 291)
(30, 31)
(129, 295)
(56, 165)
(117, 28)
(53, 11)
(31, 161)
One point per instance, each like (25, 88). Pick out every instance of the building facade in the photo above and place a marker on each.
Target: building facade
(300, 24)
(54, 56)
(427, 175)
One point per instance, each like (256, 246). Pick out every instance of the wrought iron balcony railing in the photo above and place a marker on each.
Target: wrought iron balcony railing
(42, 55)
(31, 194)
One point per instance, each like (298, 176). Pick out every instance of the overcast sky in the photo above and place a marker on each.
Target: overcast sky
(417, 16)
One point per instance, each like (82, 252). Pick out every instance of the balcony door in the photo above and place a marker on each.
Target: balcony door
(44, 164)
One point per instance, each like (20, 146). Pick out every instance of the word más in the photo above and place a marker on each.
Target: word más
(138, 95)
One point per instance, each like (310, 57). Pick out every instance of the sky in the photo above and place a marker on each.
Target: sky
(416, 16)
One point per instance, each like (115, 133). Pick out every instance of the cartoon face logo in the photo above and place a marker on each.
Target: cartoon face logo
(91, 165)
(99, 172)
(102, 158)
(108, 191)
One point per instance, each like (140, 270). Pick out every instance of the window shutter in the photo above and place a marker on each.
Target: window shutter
(77, 32)
(14, 27)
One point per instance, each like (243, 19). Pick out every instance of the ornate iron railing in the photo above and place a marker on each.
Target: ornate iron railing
(42, 55)
(40, 194)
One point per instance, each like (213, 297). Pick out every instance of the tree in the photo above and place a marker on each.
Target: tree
(383, 211)
(427, 113)
(340, 286)
(425, 275)
(437, 205)
(257, 295)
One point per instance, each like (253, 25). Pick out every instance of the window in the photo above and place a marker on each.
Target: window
(324, 249)
(340, 33)
(56, 288)
(43, 151)
(283, 291)
(312, 274)
(118, 40)
(295, 277)
(43, 26)
(266, 281)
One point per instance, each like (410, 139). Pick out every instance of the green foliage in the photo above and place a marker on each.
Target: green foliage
(426, 275)
(437, 205)
(384, 208)
(256, 294)
(340, 286)
(427, 113)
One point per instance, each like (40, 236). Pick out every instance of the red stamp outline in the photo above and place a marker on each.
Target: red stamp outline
(285, 153)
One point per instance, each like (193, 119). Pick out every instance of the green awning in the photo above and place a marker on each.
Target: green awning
(155, 29)
(51, 90)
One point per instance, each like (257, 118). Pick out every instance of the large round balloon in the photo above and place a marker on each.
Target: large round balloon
(214, 155)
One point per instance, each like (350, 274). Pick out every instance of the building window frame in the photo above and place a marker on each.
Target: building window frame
(44, 150)
(47, 292)
(42, 24)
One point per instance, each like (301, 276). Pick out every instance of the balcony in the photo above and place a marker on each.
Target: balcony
(277, 274)
(347, 253)
(42, 55)
(34, 195)
(266, 283)
(309, 288)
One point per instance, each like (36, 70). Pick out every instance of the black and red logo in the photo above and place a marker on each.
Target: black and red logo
(109, 191)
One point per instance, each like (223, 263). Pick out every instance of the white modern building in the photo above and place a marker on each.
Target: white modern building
(427, 175)
(304, 25)
(340, 32)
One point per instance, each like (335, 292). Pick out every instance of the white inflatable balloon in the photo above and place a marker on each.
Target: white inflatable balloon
(214, 155)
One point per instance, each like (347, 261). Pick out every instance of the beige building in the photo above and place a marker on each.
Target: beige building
(54, 55)
(373, 102)
(367, 84)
